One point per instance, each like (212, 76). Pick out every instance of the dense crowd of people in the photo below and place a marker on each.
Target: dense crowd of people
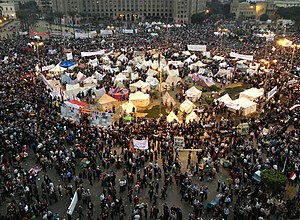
(71, 156)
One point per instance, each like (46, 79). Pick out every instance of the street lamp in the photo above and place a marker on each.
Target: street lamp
(222, 31)
(294, 46)
(36, 45)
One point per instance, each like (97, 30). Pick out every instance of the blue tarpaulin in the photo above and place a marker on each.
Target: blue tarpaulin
(67, 63)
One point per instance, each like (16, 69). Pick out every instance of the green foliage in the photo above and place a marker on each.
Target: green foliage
(216, 7)
(264, 17)
(292, 13)
(28, 14)
(273, 179)
(209, 100)
(198, 18)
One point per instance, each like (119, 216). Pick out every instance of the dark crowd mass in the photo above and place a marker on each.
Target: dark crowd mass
(45, 158)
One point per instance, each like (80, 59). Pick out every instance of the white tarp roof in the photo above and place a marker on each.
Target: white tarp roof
(57, 69)
(252, 93)
(192, 117)
(193, 93)
(187, 106)
(172, 117)
(248, 106)
(219, 58)
(128, 107)
(151, 72)
(139, 85)
(225, 98)
(167, 99)
(173, 79)
(139, 99)
(174, 72)
(120, 77)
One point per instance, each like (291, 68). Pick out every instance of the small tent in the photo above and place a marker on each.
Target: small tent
(57, 69)
(225, 99)
(67, 64)
(119, 93)
(168, 100)
(252, 94)
(187, 106)
(139, 99)
(192, 117)
(143, 86)
(248, 107)
(106, 102)
(193, 94)
(120, 77)
(172, 117)
(173, 79)
(128, 107)
(152, 81)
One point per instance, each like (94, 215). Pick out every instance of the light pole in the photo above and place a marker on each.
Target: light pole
(294, 46)
(36, 45)
(222, 31)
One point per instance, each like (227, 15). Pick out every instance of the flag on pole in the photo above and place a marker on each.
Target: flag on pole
(292, 176)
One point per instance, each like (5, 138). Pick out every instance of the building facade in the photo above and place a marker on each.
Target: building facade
(44, 5)
(9, 9)
(131, 10)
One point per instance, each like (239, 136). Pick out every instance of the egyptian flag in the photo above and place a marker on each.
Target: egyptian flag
(292, 176)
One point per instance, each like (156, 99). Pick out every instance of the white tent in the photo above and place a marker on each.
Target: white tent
(151, 72)
(167, 99)
(139, 85)
(223, 72)
(90, 80)
(54, 85)
(218, 58)
(80, 77)
(147, 63)
(139, 99)
(193, 94)
(174, 72)
(172, 117)
(186, 53)
(155, 64)
(252, 94)
(122, 58)
(225, 99)
(248, 107)
(188, 60)
(120, 77)
(197, 64)
(128, 107)
(99, 92)
(173, 79)
(187, 106)
(192, 117)
(134, 76)
(107, 102)
(193, 57)
(106, 59)
(57, 69)
(93, 62)
(152, 81)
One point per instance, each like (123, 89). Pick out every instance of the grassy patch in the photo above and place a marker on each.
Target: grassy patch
(233, 91)
(154, 111)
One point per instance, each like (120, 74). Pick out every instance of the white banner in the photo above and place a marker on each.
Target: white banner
(106, 32)
(178, 142)
(272, 92)
(140, 144)
(45, 68)
(128, 31)
(23, 32)
(241, 56)
(87, 54)
(81, 35)
(73, 204)
(69, 56)
(197, 48)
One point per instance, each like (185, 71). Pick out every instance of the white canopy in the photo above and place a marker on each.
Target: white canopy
(172, 117)
(248, 107)
(139, 85)
(122, 58)
(188, 60)
(57, 69)
(128, 107)
(219, 58)
(167, 99)
(173, 79)
(93, 62)
(174, 72)
(193, 57)
(192, 117)
(193, 94)
(151, 72)
(225, 99)
(155, 65)
(120, 77)
(54, 85)
(186, 53)
(147, 63)
(252, 94)
(152, 81)
(187, 106)
(139, 99)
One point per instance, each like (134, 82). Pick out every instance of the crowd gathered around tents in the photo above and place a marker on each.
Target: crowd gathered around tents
(69, 125)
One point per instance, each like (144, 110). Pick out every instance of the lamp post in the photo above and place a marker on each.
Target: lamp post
(36, 45)
(222, 31)
(294, 46)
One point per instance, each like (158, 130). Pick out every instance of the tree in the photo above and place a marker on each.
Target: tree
(292, 13)
(273, 179)
(28, 14)
(198, 18)
(264, 17)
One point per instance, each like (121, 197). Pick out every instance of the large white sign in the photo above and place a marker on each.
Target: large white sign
(73, 204)
(241, 56)
(140, 144)
(178, 142)
(87, 54)
(272, 92)
(197, 48)
(81, 35)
